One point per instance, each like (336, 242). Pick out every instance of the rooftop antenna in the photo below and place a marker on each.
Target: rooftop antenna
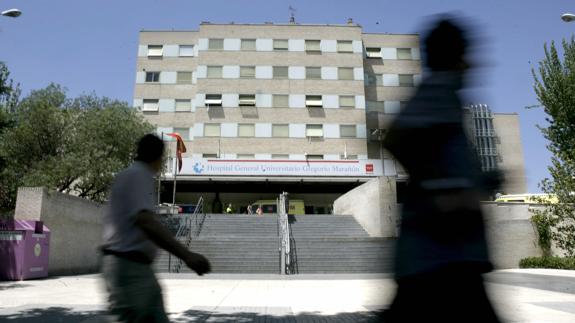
(292, 11)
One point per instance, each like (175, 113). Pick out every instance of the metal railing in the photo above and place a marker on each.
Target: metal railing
(190, 227)
(284, 234)
(487, 151)
(485, 132)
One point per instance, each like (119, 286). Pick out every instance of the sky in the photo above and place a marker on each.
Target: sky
(91, 45)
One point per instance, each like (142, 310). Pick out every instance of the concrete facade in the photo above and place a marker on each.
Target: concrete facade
(218, 81)
(373, 205)
(75, 224)
(221, 51)
(510, 149)
(510, 233)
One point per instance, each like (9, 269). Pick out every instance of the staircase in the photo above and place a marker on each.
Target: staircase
(320, 244)
(337, 244)
(236, 244)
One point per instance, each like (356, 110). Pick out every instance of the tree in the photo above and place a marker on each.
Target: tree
(9, 94)
(555, 89)
(70, 145)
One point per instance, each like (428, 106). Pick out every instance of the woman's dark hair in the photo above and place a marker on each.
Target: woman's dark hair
(150, 148)
(445, 45)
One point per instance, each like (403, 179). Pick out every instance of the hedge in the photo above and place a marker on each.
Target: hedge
(548, 262)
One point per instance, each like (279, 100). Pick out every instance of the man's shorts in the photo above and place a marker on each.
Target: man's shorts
(134, 294)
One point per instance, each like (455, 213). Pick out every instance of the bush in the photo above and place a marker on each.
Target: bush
(548, 262)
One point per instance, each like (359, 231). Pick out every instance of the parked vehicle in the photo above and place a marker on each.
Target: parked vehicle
(168, 208)
(270, 206)
(527, 198)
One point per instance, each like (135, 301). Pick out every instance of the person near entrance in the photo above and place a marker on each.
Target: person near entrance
(441, 252)
(131, 235)
(229, 209)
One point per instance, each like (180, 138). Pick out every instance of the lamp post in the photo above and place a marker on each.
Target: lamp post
(13, 13)
(568, 17)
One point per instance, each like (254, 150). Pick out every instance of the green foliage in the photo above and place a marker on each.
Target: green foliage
(555, 89)
(71, 145)
(548, 262)
(543, 225)
(9, 92)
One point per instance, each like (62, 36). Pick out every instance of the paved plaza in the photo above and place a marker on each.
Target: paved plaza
(519, 296)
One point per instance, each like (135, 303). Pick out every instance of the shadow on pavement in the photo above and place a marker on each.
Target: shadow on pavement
(211, 316)
(13, 286)
(230, 314)
(50, 314)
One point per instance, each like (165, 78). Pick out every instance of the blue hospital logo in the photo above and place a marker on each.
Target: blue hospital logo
(198, 168)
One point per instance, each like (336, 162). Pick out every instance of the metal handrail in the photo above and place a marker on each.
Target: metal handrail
(190, 227)
(285, 248)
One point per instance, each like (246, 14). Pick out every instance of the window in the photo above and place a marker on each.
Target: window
(377, 106)
(348, 157)
(152, 77)
(214, 72)
(404, 53)
(211, 130)
(246, 156)
(216, 44)
(280, 101)
(248, 72)
(314, 130)
(213, 100)
(247, 100)
(347, 131)
(315, 157)
(155, 50)
(280, 130)
(369, 79)
(313, 46)
(313, 101)
(403, 104)
(184, 77)
(374, 79)
(183, 132)
(183, 105)
(248, 44)
(186, 50)
(373, 52)
(378, 79)
(406, 80)
(346, 101)
(344, 46)
(209, 156)
(280, 156)
(280, 72)
(280, 44)
(313, 73)
(246, 130)
(345, 73)
(150, 105)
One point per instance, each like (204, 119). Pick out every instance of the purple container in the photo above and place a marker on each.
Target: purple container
(24, 249)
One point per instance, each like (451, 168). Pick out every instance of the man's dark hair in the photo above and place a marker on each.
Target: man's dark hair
(445, 45)
(150, 148)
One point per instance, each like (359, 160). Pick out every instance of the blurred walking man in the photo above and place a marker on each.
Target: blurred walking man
(131, 237)
(441, 251)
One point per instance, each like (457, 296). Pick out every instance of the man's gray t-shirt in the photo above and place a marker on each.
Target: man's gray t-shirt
(132, 192)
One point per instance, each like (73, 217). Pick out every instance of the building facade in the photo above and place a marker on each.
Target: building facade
(270, 107)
